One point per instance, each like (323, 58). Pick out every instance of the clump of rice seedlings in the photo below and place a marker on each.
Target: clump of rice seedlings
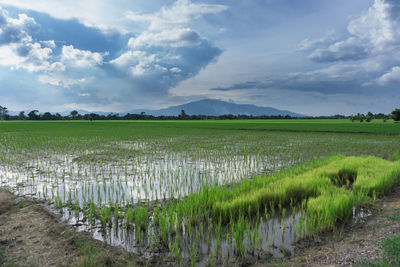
(58, 203)
(193, 255)
(163, 224)
(116, 213)
(105, 213)
(177, 249)
(76, 208)
(218, 237)
(129, 217)
(238, 236)
(141, 221)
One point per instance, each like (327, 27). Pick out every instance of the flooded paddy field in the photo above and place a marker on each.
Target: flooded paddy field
(151, 187)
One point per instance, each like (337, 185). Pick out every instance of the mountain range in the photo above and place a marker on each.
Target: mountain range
(213, 107)
(209, 107)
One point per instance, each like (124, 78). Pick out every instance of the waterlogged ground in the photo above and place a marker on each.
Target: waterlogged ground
(76, 166)
(44, 242)
(131, 171)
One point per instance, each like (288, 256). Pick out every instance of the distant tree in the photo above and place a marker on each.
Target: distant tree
(3, 113)
(33, 115)
(112, 116)
(94, 116)
(73, 114)
(21, 116)
(352, 118)
(46, 116)
(183, 115)
(338, 116)
(58, 116)
(385, 118)
(369, 117)
(396, 114)
(360, 117)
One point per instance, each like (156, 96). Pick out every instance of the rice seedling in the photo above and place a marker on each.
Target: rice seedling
(175, 180)
(129, 217)
(163, 224)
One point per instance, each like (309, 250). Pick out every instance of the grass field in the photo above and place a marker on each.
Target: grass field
(214, 189)
(318, 125)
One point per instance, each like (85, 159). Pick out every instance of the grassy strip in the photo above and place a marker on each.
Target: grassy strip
(391, 250)
(331, 187)
(207, 201)
(328, 202)
(91, 252)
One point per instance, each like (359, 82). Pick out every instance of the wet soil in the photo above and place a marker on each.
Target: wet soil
(29, 236)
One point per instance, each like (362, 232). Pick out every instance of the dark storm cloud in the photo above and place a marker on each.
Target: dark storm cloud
(340, 51)
(157, 69)
(243, 86)
(305, 82)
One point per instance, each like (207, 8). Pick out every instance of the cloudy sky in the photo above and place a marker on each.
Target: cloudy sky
(316, 57)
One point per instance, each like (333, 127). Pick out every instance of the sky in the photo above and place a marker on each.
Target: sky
(314, 57)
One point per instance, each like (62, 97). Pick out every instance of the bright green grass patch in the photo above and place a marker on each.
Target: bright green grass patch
(331, 187)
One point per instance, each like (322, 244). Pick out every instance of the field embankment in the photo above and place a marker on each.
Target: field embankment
(30, 236)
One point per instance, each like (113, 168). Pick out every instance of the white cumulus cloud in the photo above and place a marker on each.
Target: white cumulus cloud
(139, 63)
(59, 80)
(181, 13)
(380, 25)
(393, 76)
(177, 37)
(81, 58)
(167, 31)
(374, 32)
(18, 50)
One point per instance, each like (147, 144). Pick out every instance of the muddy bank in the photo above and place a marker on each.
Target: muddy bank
(29, 236)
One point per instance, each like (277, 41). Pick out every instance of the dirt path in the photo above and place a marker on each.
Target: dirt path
(29, 236)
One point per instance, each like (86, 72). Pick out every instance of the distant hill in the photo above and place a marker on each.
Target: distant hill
(212, 107)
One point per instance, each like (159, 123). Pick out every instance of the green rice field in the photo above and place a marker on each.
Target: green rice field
(202, 192)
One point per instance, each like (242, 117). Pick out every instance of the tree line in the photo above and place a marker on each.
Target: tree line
(34, 115)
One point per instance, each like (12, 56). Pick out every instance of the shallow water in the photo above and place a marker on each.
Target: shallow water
(129, 172)
(270, 239)
(265, 238)
(130, 180)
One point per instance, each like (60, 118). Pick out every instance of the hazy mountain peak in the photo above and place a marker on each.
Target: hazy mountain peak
(215, 107)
